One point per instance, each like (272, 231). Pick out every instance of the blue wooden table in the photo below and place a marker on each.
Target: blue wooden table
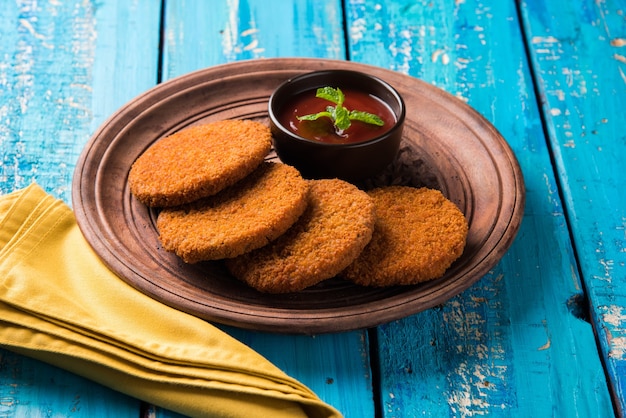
(543, 334)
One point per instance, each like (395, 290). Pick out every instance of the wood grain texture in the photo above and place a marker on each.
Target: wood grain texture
(60, 76)
(126, 56)
(334, 366)
(32, 389)
(38, 47)
(199, 34)
(579, 54)
(487, 351)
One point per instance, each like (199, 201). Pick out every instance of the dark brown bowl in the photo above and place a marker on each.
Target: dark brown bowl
(348, 161)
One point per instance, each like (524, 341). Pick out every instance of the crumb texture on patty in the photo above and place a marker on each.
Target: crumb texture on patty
(199, 161)
(418, 235)
(243, 217)
(336, 226)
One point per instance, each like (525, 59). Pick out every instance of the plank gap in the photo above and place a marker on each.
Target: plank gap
(372, 336)
(161, 53)
(346, 30)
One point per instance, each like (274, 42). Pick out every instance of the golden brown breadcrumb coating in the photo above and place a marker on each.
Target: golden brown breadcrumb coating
(245, 216)
(331, 233)
(198, 161)
(418, 234)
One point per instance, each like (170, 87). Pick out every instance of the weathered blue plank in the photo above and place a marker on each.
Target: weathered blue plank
(46, 58)
(335, 366)
(199, 34)
(579, 53)
(31, 389)
(64, 67)
(513, 344)
(126, 56)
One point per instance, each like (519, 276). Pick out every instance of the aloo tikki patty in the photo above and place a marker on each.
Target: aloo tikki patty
(330, 234)
(199, 161)
(418, 235)
(243, 217)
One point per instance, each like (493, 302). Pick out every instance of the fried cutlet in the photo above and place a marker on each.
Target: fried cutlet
(243, 217)
(330, 234)
(418, 234)
(198, 161)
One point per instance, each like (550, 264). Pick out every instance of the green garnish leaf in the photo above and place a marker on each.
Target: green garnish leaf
(341, 117)
(366, 117)
(332, 95)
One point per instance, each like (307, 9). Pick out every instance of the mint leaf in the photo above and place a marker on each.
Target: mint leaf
(315, 116)
(366, 117)
(332, 95)
(342, 118)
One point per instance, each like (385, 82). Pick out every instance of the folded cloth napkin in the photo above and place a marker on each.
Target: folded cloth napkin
(59, 303)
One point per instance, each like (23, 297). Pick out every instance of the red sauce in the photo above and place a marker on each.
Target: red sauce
(323, 129)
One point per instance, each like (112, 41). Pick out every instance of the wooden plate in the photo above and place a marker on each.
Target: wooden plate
(446, 145)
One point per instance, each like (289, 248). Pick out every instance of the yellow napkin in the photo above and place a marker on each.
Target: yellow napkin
(59, 303)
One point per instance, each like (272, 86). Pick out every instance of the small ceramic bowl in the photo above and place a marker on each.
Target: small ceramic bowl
(353, 154)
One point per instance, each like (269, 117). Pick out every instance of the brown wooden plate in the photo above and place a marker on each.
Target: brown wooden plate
(446, 145)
